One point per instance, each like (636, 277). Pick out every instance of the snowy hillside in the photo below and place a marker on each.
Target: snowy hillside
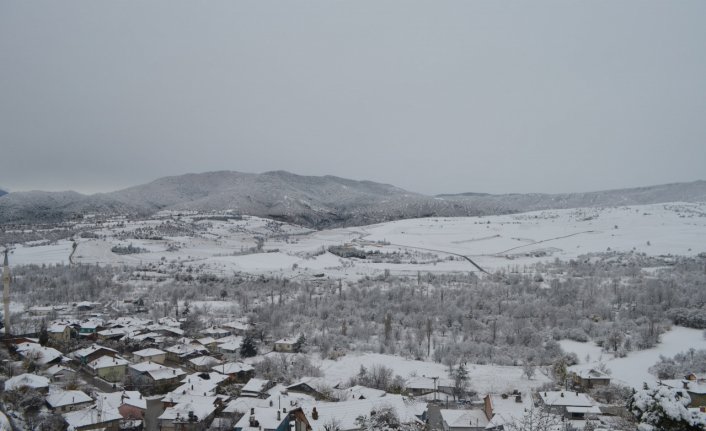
(224, 244)
(316, 202)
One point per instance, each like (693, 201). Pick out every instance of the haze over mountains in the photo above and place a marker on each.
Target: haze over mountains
(317, 202)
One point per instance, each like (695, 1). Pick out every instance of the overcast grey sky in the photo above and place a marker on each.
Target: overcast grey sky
(433, 96)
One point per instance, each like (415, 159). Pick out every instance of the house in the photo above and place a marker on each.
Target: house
(39, 354)
(229, 347)
(359, 392)
(502, 409)
(112, 334)
(190, 413)
(203, 363)
(207, 342)
(92, 418)
(273, 419)
(29, 380)
(572, 405)
(309, 385)
(216, 332)
(463, 420)
(590, 378)
(91, 353)
(152, 374)
(85, 306)
(60, 332)
(59, 373)
(182, 352)
(148, 337)
(238, 372)
(422, 385)
(238, 327)
(130, 405)
(151, 354)
(345, 413)
(285, 345)
(109, 368)
(67, 401)
(256, 388)
(204, 384)
(90, 328)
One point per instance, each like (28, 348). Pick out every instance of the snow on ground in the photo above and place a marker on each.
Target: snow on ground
(494, 242)
(483, 378)
(42, 254)
(588, 353)
(632, 369)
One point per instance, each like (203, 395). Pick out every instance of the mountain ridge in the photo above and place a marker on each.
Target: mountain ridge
(313, 201)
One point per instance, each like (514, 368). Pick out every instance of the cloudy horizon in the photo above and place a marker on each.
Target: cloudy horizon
(433, 97)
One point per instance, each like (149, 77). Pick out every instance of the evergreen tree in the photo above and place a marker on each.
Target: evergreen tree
(248, 348)
(43, 334)
(461, 378)
(300, 344)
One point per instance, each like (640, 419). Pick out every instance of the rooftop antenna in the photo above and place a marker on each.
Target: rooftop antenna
(6, 292)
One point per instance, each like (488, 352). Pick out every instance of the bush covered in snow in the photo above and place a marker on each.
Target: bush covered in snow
(664, 408)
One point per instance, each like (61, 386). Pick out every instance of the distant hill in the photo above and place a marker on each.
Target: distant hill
(3, 192)
(317, 202)
(510, 203)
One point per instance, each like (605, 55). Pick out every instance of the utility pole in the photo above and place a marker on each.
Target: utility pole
(6, 293)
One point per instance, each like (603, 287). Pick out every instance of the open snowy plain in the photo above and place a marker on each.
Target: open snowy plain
(223, 246)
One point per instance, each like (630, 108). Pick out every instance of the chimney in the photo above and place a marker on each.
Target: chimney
(6, 293)
(314, 414)
(562, 394)
(279, 415)
(252, 410)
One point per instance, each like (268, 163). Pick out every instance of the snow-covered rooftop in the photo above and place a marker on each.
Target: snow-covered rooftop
(464, 418)
(346, 412)
(148, 352)
(67, 398)
(107, 362)
(566, 398)
(89, 416)
(29, 380)
(233, 368)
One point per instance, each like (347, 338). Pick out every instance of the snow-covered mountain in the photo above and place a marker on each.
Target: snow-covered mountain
(312, 201)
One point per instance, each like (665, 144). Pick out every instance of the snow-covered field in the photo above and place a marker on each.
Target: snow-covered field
(428, 244)
(483, 378)
(632, 369)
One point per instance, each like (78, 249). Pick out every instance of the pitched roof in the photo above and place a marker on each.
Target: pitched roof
(113, 400)
(566, 398)
(29, 380)
(346, 412)
(255, 385)
(81, 353)
(464, 418)
(268, 418)
(232, 368)
(107, 362)
(89, 416)
(204, 361)
(67, 398)
(200, 406)
(149, 352)
(43, 355)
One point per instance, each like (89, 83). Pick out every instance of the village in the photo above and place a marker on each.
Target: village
(127, 373)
